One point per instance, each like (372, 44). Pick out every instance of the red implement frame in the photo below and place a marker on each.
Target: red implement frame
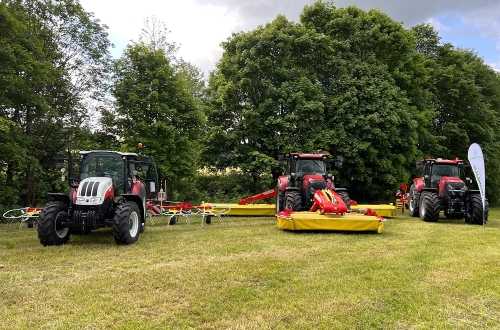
(262, 195)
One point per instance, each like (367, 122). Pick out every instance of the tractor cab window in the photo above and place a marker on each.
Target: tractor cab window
(440, 170)
(103, 165)
(445, 170)
(310, 166)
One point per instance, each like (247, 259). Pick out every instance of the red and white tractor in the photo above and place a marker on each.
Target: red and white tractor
(109, 190)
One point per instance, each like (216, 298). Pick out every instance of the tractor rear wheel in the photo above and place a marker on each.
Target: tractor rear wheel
(50, 231)
(345, 197)
(126, 223)
(413, 201)
(292, 200)
(474, 214)
(280, 200)
(429, 206)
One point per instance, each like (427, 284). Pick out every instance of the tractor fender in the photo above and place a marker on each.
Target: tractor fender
(60, 197)
(282, 183)
(434, 190)
(138, 196)
(419, 184)
(474, 192)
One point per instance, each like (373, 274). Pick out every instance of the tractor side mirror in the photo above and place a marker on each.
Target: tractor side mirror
(152, 187)
(281, 160)
(145, 163)
(59, 160)
(340, 160)
(419, 164)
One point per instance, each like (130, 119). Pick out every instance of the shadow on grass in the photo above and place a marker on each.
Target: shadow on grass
(103, 236)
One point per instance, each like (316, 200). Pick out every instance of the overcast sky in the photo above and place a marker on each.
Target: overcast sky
(199, 26)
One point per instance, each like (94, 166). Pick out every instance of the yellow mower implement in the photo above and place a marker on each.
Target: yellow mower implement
(335, 222)
(246, 208)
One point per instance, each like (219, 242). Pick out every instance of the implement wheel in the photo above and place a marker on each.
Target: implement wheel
(347, 200)
(292, 200)
(413, 201)
(430, 206)
(49, 225)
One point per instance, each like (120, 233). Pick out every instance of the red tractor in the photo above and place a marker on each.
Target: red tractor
(440, 188)
(107, 192)
(306, 174)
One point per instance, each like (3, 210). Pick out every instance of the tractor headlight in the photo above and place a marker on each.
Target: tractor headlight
(96, 200)
(87, 200)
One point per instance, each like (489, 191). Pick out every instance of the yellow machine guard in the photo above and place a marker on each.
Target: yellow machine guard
(317, 221)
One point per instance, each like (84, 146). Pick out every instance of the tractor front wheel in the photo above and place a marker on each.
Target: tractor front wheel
(292, 200)
(49, 225)
(429, 207)
(345, 197)
(126, 223)
(475, 210)
(413, 201)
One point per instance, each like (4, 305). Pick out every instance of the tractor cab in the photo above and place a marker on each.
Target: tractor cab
(305, 175)
(304, 166)
(433, 170)
(123, 168)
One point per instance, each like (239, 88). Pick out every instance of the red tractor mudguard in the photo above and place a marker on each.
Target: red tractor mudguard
(419, 184)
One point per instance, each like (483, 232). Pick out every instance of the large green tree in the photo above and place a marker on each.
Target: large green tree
(153, 105)
(465, 99)
(54, 60)
(338, 82)
(367, 83)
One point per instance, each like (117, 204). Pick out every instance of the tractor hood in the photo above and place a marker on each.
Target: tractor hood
(94, 190)
(451, 186)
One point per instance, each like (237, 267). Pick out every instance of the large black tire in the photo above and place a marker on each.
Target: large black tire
(413, 201)
(292, 200)
(49, 224)
(347, 200)
(430, 206)
(474, 214)
(280, 200)
(126, 223)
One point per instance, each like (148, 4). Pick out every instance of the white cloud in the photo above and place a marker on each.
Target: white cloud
(199, 29)
(199, 26)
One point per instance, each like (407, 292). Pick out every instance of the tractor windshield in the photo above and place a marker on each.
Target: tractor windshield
(103, 165)
(310, 166)
(439, 170)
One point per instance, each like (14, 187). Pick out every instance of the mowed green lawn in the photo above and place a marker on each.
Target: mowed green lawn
(246, 273)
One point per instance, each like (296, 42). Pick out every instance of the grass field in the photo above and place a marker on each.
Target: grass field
(246, 273)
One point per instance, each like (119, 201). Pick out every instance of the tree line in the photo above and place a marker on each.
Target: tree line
(349, 82)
